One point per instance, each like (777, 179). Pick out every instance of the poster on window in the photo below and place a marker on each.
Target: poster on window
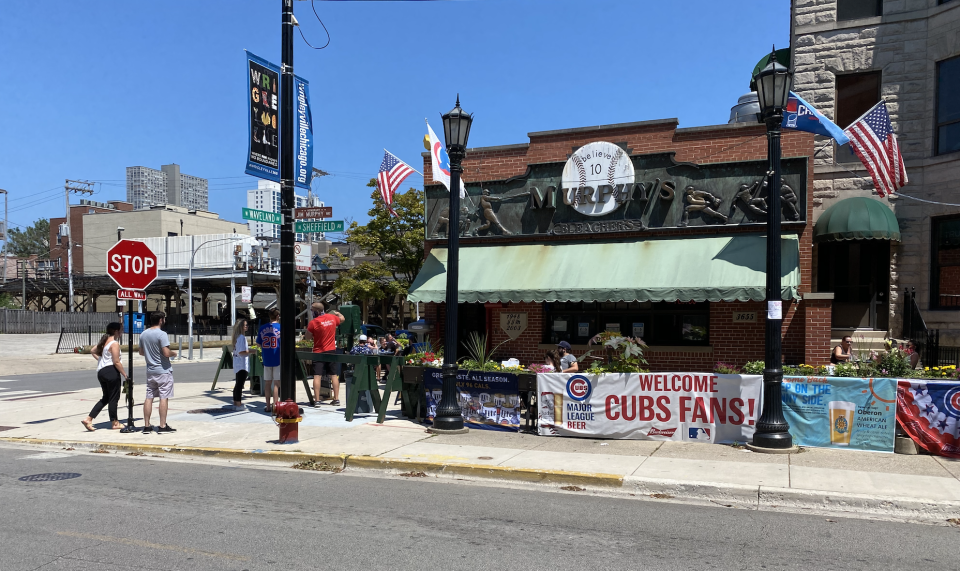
(687, 407)
(488, 401)
(263, 141)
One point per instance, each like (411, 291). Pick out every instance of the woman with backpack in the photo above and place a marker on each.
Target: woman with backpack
(109, 372)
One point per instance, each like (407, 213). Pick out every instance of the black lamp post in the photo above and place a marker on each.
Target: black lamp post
(456, 131)
(773, 90)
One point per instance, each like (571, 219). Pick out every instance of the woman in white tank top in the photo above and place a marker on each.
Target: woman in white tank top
(109, 373)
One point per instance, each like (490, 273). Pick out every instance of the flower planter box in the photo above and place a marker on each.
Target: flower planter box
(412, 374)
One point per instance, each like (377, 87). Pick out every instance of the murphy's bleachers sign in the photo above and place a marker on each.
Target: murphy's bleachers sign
(602, 189)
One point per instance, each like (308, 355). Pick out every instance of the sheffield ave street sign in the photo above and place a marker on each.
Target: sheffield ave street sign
(309, 212)
(319, 226)
(262, 216)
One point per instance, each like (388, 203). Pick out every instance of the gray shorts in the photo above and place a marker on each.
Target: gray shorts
(271, 373)
(159, 385)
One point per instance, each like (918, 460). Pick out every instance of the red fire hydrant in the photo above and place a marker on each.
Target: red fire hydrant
(288, 415)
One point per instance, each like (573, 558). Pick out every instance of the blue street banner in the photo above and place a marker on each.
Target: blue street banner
(263, 140)
(304, 129)
(802, 116)
(841, 412)
(488, 401)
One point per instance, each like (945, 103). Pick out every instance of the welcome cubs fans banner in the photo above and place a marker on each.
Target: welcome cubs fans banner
(699, 407)
(929, 412)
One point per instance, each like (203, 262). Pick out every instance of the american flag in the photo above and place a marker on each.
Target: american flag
(392, 173)
(875, 143)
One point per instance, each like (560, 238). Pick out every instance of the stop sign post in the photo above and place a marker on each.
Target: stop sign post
(133, 266)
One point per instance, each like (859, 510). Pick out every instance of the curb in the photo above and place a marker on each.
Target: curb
(344, 461)
(765, 498)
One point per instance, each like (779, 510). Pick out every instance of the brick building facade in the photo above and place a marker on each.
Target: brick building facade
(806, 324)
(847, 56)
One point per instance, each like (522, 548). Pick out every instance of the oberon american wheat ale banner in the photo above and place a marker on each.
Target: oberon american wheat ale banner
(697, 407)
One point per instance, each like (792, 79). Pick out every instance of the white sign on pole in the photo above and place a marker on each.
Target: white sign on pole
(246, 294)
(303, 257)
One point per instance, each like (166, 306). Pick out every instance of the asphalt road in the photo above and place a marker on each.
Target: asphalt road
(148, 513)
(36, 385)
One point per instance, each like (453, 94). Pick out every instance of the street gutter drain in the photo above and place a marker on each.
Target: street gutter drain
(49, 477)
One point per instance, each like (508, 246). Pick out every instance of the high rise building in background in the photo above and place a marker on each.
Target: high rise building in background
(267, 197)
(148, 187)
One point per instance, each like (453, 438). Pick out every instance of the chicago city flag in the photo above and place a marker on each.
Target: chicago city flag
(441, 163)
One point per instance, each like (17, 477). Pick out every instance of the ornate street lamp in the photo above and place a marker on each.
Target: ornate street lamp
(773, 90)
(456, 131)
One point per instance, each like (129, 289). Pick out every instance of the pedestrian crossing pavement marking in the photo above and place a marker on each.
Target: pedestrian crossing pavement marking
(9, 380)
(3, 396)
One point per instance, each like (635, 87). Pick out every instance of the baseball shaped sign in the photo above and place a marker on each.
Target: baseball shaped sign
(597, 178)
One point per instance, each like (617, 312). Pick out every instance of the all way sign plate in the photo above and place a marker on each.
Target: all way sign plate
(135, 294)
(262, 216)
(319, 226)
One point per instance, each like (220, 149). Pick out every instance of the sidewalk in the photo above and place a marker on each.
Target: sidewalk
(861, 484)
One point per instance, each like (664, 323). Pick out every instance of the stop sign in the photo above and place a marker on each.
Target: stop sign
(131, 264)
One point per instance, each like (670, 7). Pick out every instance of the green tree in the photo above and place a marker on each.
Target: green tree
(31, 240)
(397, 242)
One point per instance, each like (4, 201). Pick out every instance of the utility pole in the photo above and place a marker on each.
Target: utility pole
(80, 187)
(23, 286)
(288, 308)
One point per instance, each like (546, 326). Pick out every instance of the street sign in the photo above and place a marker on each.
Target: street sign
(131, 294)
(262, 216)
(246, 294)
(319, 226)
(310, 212)
(131, 264)
(303, 256)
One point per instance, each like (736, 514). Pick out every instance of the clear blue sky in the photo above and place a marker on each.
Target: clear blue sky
(95, 86)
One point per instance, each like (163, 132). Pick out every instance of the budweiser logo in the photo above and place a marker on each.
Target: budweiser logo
(668, 432)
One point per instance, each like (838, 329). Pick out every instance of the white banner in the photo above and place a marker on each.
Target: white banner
(683, 407)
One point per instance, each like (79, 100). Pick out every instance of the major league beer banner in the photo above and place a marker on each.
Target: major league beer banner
(488, 401)
(687, 407)
(263, 140)
(929, 412)
(841, 412)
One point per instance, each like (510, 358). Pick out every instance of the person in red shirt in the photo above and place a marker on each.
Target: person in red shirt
(323, 330)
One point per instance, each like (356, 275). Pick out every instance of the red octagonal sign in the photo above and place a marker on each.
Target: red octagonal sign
(131, 264)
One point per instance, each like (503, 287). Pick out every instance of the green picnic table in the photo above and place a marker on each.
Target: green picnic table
(364, 378)
(256, 372)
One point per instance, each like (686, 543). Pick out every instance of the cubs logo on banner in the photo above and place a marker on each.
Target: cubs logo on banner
(698, 407)
(930, 412)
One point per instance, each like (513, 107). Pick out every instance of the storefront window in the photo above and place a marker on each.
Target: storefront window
(655, 323)
(945, 273)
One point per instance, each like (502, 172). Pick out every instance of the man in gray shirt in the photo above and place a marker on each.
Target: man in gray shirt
(155, 348)
(568, 363)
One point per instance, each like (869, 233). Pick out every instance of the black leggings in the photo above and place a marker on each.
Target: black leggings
(238, 386)
(109, 378)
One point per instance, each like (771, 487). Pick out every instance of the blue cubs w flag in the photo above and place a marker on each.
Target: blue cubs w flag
(801, 116)
(930, 413)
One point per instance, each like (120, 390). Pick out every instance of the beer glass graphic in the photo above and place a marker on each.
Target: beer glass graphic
(841, 422)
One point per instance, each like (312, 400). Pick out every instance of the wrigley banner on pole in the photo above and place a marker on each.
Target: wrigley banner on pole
(263, 141)
(303, 123)
(698, 407)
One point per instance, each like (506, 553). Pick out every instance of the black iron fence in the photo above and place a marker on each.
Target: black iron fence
(932, 354)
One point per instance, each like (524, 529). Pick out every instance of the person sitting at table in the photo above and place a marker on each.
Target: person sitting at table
(553, 359)
(568, 363)
(841, 353)
(362, 347)
(914, 352)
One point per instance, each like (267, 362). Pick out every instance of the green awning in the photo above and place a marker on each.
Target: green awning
(857, 218)
(783, 58)
(728, 268)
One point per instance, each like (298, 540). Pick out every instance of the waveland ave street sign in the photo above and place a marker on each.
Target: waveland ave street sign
(262, 216)
(319, 226)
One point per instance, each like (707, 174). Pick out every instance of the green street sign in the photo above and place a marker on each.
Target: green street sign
(308, 227)
(262, 216)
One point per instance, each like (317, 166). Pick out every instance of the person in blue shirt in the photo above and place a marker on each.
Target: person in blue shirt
(268, 338)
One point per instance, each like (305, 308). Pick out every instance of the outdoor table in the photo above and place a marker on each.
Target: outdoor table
(364, 378)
